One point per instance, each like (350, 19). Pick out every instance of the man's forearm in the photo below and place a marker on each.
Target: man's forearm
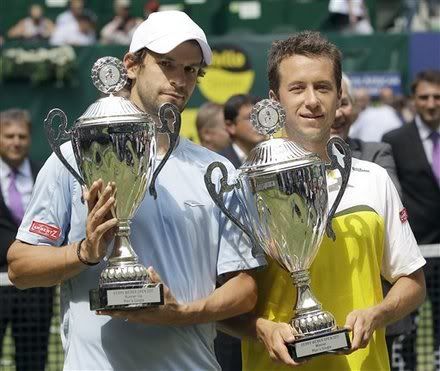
(237, 296)
(407, 293)
(42, 266)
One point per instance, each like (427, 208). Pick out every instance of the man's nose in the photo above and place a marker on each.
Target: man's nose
(311, 100)
(338, 114)
(431, 102)
(178, 78)
(16, 140)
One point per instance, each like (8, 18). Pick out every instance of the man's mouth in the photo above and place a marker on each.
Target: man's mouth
(311, 116)
(176, 96)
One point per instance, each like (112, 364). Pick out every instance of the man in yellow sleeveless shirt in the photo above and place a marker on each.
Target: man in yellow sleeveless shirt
(373, 237)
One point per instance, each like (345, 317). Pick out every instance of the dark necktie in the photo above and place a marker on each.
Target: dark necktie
(15, 202)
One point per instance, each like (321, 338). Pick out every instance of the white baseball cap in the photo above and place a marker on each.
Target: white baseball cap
(162, 31)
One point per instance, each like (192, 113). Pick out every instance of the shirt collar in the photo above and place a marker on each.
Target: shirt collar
(24, 169)
(424, 130)
(176, 150)
(240, 153)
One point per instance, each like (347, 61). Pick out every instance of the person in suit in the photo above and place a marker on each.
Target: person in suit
(377, 152)
(211, 127)
(29, 312)
(416, 150)
(381, 154)
(244, 137)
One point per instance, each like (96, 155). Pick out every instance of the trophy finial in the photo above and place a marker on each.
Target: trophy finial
(268, 116)
(109, 75)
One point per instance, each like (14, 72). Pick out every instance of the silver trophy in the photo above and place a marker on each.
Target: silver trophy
(115, 141)
(283, 192)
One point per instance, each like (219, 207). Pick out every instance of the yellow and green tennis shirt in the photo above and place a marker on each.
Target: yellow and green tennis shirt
(373, 239)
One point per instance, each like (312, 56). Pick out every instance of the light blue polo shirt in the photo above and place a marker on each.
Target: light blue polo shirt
(182, 234)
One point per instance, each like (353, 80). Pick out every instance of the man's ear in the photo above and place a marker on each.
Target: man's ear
(131, 66)
(273, 96)
(340, 95)
(230, 127)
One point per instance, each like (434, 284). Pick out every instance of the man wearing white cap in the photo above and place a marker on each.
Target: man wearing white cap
(181, 234)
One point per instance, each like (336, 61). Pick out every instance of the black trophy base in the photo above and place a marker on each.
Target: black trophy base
(125, 296)
(327, 343)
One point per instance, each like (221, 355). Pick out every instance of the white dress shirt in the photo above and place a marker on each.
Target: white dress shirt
(240, 153)
(23, 181)
(374, 122)
(424, 133)
(67, 32)
(342, 7)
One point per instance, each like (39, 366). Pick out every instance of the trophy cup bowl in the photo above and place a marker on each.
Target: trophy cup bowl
(115, 141)
(283, 193)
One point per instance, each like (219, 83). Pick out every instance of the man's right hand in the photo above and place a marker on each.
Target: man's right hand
(101, 224)
(274, 336)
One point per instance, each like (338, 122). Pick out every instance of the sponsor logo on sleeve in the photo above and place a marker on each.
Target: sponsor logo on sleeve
(360, 169)
(49, 231)
(403, 214)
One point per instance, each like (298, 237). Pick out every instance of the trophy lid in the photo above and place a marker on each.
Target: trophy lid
(112, 109)
(109, 76)
(275, 154)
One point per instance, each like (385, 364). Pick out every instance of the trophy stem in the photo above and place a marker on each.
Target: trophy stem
(305, 301)
(123, 263)
(308, 316)
(122, 251)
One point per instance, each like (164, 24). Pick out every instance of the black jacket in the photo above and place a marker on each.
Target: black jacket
(8, 227)
(420, 190)
(231, 155)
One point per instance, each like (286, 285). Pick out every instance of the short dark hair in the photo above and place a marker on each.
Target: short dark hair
(11, 115)
(432, 76)
(235, 102)
(308, 44)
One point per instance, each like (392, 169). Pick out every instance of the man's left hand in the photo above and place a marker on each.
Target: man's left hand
(170, 313)
(362, 323)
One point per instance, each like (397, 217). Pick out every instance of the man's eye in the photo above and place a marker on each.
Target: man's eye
(165, 63)
(323, 88)
(190, 69)
(295, 89)
(426, 97)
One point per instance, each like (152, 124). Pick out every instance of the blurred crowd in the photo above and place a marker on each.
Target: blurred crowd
(216, 131)
(77, 25)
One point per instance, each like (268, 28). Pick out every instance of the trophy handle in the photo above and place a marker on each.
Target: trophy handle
(345, 174)
(218, 197)
(57, 137)
(173, 137)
